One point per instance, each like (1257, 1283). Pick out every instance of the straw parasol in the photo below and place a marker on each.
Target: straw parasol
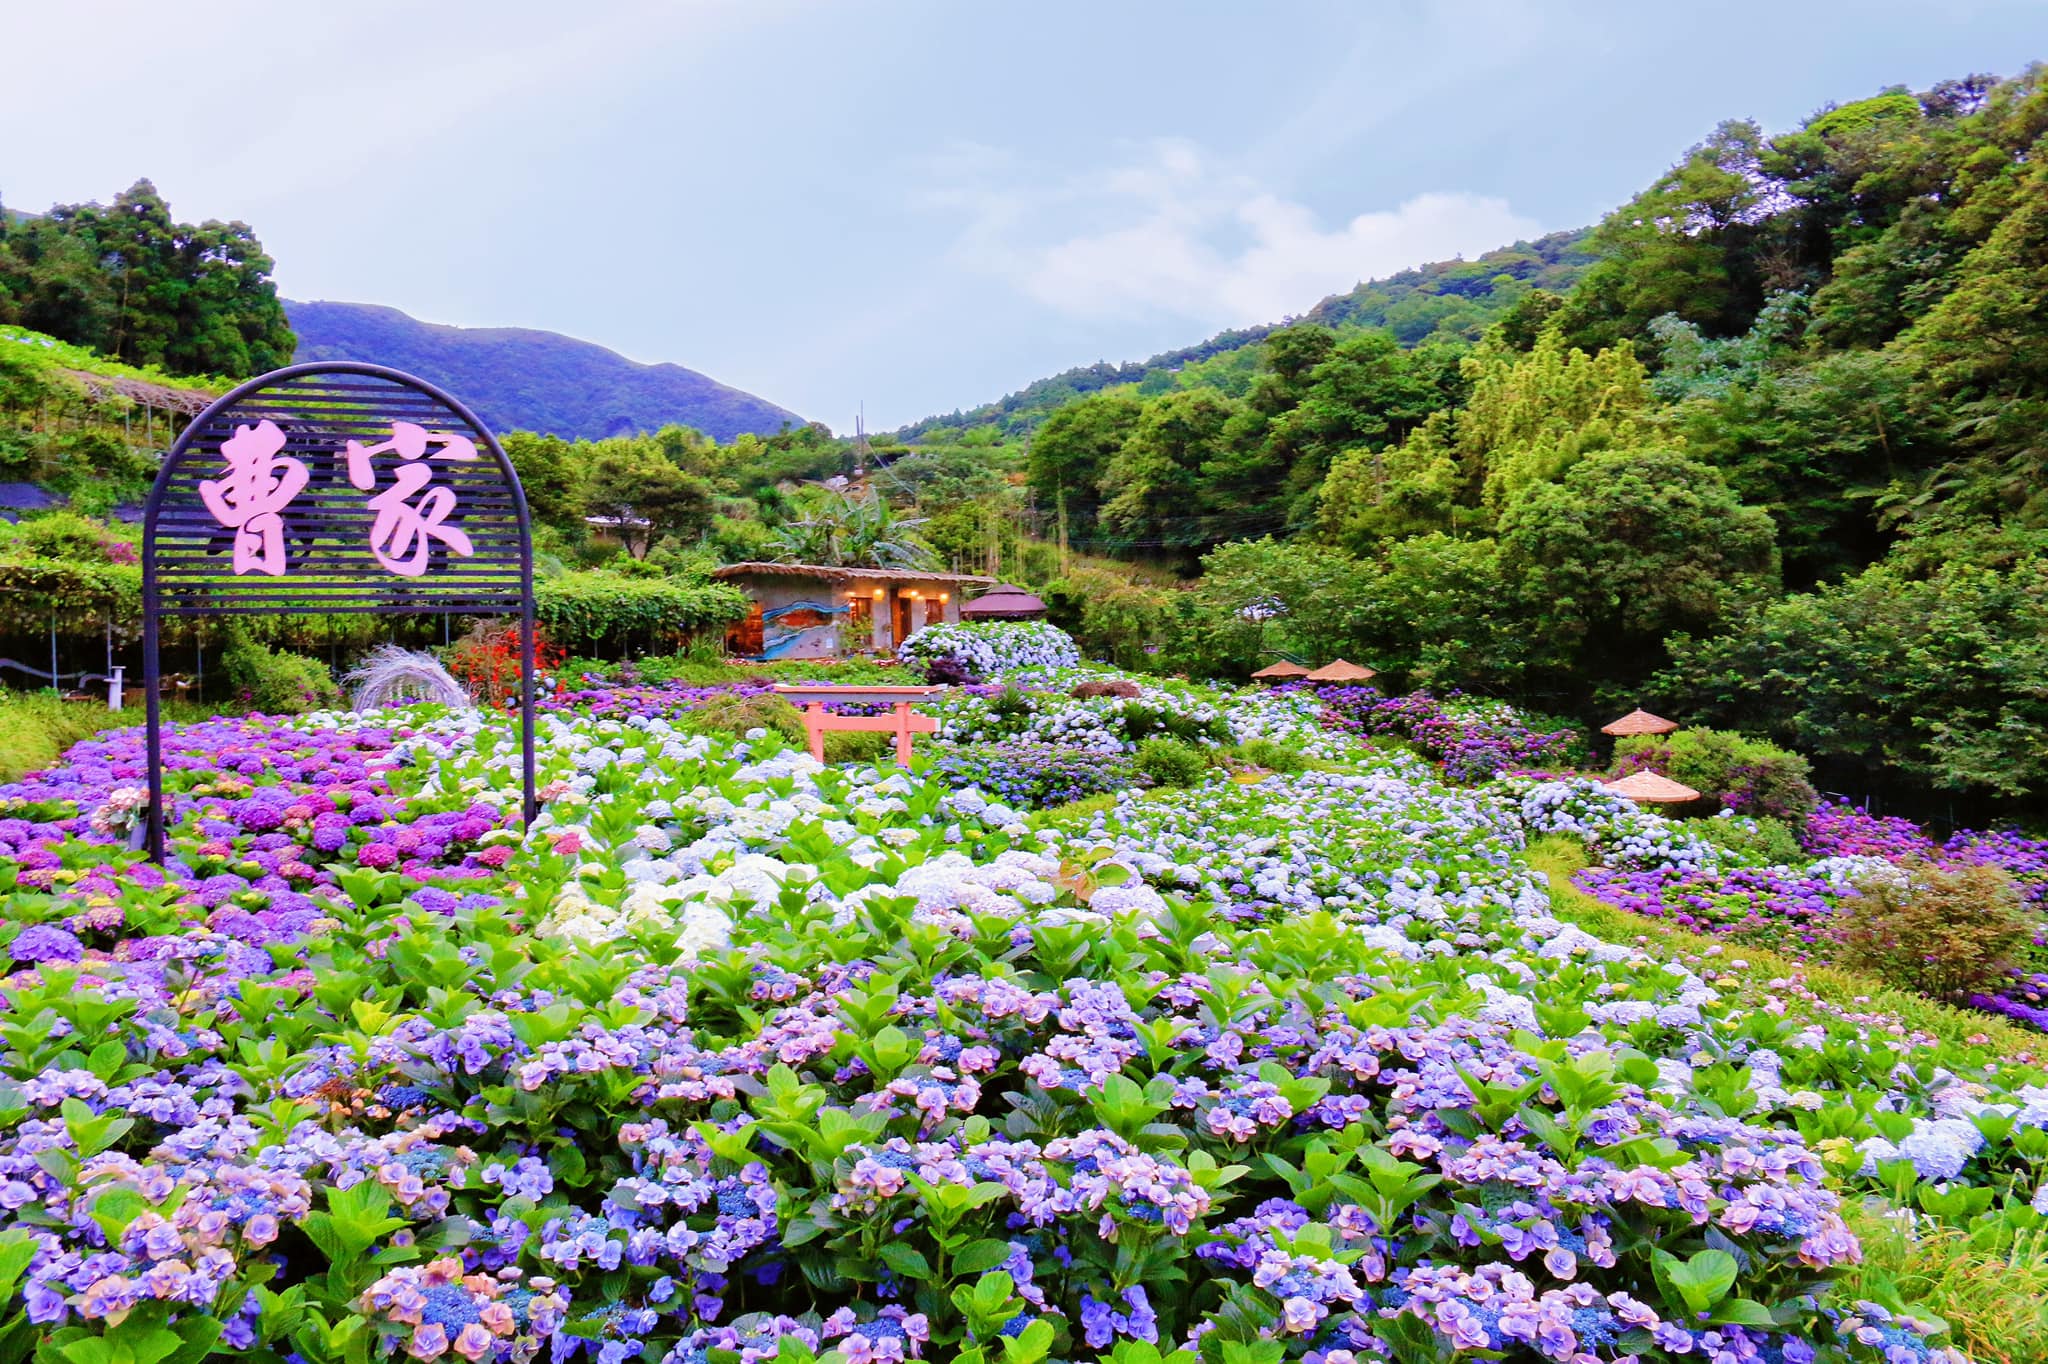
(1639, 721)
(1341, 671)
(1004, 602)
(1651, 788)
(1280, 672)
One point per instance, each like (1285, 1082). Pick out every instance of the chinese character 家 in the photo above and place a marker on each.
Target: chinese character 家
(401, 536)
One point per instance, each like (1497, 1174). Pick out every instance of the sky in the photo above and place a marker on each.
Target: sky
(914, 207)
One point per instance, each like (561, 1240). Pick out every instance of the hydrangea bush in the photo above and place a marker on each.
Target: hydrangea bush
(1474, 739)
(988, 649)
(1033, 776)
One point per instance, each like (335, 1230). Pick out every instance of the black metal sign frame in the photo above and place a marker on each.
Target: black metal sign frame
(335, 487)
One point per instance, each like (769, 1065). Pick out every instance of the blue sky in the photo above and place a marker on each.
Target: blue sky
(916, 205)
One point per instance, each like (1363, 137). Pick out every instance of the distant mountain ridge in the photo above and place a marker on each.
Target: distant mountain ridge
(520, 379)
(1443, 298)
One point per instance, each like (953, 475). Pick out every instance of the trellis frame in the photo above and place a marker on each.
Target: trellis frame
(330, 567)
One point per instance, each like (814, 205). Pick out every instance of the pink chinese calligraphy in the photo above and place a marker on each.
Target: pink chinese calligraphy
(257, 485)
(254, 488)
(403, 533)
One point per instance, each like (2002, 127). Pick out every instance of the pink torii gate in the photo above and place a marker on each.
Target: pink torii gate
(901, 720)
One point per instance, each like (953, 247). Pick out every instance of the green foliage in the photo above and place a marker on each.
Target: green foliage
(703, 665)
(1935, 673)
(276, 683)
(130, 282)
(1273, 756)
(1631, 546)
(1109, 615)
(60, 571)
(1747, 775)
(36, 728)
(551, 474)
(1942, 933)
(857, 745)
(1444, 301)
(1072, 451)
(837, 529)
(733, 716)
(1154, 477)
(590, 610)
(1995, 1300)
(1764, 841)
(645, 496)
(1171, 762)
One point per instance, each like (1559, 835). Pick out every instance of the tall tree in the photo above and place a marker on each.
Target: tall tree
(1631, 546)
(1071, 451)
(646, 496)
(1153, 485)
(131, 281)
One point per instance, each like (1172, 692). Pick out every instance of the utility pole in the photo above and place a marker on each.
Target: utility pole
(1061, 496)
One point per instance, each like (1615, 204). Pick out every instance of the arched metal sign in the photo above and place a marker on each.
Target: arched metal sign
(334, 487)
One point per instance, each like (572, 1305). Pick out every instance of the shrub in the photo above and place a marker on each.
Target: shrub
(1473, 739)
(1943, 933)
(1036, 776)
(592, 609)
(1765, 841)
(1105, 686)
(487, 661)
(857, 745)
(1140, 721)
(1170, 762)
(1274, 757)
(1110, 615)
(277, 683)
(734, 715)
(1749, 776)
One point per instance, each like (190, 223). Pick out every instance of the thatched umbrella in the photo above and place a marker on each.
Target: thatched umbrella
(1282, 671)
(1639, 722)
(1341, 671)
(1004, 602)
(1652, 788)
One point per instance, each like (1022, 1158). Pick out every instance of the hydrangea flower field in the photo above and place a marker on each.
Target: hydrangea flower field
(735, 1056)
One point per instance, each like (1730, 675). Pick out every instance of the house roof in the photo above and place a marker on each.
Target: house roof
(1004, 600)
(1652, 788)
(840, 575)
(1338, 670)
(1639, 721)
(1281, 669)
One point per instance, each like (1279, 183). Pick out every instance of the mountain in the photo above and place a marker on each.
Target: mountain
(518, 379)
(1454, 298)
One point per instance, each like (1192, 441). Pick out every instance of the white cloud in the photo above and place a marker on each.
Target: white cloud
(1168, 232)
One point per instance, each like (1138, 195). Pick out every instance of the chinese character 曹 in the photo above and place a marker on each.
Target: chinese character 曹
(255, 486)
(401, 536)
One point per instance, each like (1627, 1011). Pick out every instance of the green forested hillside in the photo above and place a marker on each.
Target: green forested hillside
(1446, 300)
(1770, 451)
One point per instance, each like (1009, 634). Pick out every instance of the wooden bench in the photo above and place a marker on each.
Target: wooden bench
(901, 720)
